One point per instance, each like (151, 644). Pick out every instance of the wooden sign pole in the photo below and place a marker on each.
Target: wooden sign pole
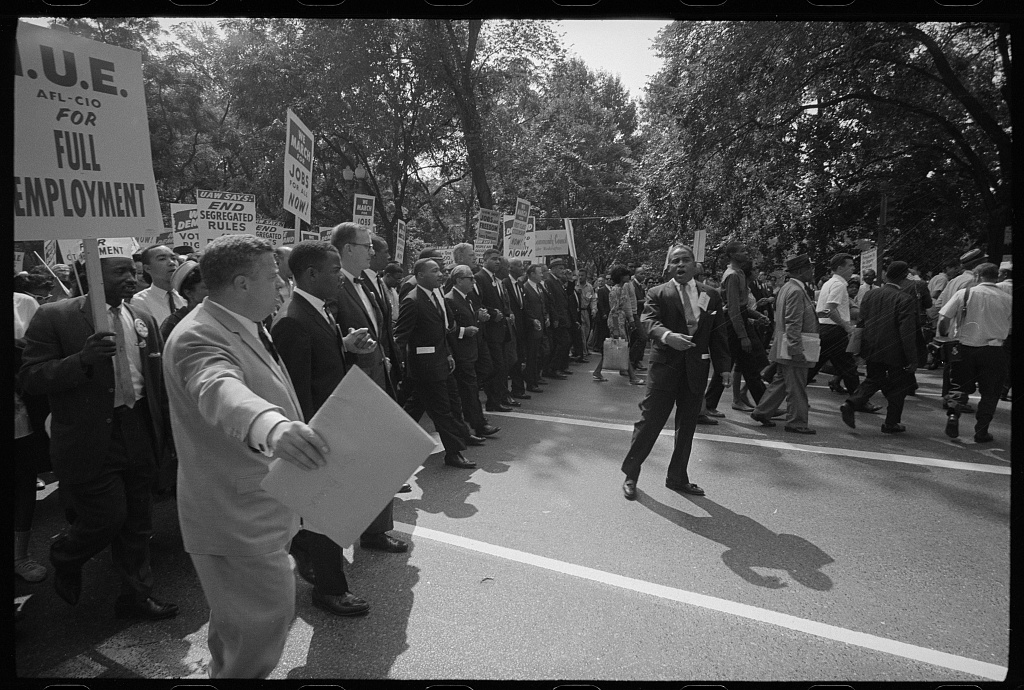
(93, 271)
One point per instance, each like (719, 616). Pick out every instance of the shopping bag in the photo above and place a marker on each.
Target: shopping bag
(616, 354)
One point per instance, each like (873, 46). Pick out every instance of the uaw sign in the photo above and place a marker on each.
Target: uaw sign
(82, 162)
(298, 168)
(270, 231)
(224, 213)
(185, 223)
(362, 211)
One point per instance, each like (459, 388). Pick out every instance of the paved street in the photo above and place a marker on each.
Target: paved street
(850, 555)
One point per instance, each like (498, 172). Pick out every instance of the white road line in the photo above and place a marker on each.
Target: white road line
(830, 632)
(778, 445)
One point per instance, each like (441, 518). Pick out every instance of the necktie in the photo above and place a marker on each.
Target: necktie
(170, 301)
(124, 390)
(437, 305)
(267, 343)
(375, 311)
(691, 319)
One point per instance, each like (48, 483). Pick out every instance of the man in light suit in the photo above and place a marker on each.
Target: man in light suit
(794, 314)
(313, 350)
(686, 321)
(109, 422)
(233, 409)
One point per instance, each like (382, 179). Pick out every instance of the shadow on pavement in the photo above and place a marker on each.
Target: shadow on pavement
(445, 490)
(750, 544)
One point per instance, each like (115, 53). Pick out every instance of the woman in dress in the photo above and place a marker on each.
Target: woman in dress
(620, 320)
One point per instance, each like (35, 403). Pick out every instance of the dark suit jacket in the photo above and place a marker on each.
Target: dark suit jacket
(312, 353)
(603, 306)
(889, 319)
(515, 307)
(558, 303)
(82, 398)
(463, 313)
(421, 338)
(663, 312)
(352, 314)
(494, 331)
(534, 307)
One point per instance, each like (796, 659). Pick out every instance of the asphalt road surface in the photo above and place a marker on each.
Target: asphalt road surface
(849, 555)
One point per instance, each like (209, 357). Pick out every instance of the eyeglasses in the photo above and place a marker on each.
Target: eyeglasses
(368, 245)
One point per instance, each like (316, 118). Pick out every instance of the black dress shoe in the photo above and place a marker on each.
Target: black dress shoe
(384, 542)
(983, 437)
(893, 428)
(498, 408)
(457, 460)
(629, 489)
(535, 389)
(541, 381)
(487, 430)
(800, 430)
(704, 419)
(512, 403)
(953, 425)
(149, 609)
(566, 372)
(870, 408)
(304, 567)
(475, 441)
(639, 367)
(67, 581)
(347, 604)
(847, 413)
(685, 487)
(404, 489)
(765, 421)
(523, 396)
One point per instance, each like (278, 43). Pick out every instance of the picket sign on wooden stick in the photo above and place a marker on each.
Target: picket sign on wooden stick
(94, 273)
(58, 280)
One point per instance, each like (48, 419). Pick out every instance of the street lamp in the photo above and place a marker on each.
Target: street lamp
(359, 173)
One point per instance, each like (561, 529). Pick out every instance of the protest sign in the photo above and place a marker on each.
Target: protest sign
(570, 231)
(364, 468)
(50, 252)
(517, 247)
(487, 222)
(325, 232)
(521, 217)
(19, 261)
(551, 242)
(362, 210)
(71, 250)
(400, 243)
(224, 213)
(447, 255)
(309, 235)
(700, 240)
(298, 167)
(869, 260)
(289, 237)
(270, 231)
(480, 247)
(166, 238)
(82, 162)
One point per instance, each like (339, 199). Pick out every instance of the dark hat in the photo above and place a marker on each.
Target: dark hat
(556, 262)
(184, 249)
(972, 258)
(896, 271)
(798, 262)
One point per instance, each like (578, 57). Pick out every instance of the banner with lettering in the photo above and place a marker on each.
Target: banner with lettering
(224, 213)
(522, 216)
(517, 247)
(362, 210)
(487, 225)
(270, 231)
(298, 167)
(400, 243)
(82, 162)
(71, 250)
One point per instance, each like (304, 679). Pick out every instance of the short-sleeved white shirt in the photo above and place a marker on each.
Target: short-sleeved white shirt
(834, 292)
(988, 318)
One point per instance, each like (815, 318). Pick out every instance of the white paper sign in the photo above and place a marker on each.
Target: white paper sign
(700, 240)
(71, 250)
(298, 167)
(551, 242)
(869, 259)
(362, 210)
(224, 213)
(270, 231)
(19, 262)
(400, 243)
(517, 247)
(364, 469)
(82, 162)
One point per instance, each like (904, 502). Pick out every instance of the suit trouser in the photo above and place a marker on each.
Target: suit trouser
(115, 506)
(833, 348)
(326, 558)
(576, 337)
(749, 364)
(495, 386)
(414, 406)
(895, 384)
(469, 394)
(982, 369)
(515, 353)
(654, 411)
(434, 398)
(252, 604)
(637, 345)
(531, 372)
(559, 360)
(790, 385)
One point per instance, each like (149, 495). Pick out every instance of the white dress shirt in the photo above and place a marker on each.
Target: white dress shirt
(367, 304)
(154, 300)
(131, 346)
(834, 292)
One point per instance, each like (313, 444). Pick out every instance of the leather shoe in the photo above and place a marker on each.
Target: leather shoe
(475, 441)
(149, 608)
(983, 437)
(807, 431)
(953, 425)
(704, 419)
(67, 581)
(566, 372)
(404, 489)
(487, 430)
(765, 421)
(457, 460)
(347, 604)
(893, 428)
(498, 408)
(639, 367)
(849, 417)
(715, 413)
(523, 396)
(685, 487)
(535, 389)
(384, 542)
(629, 489)
(512, 403)
(870, 408)
(557, 376)
(541, 381)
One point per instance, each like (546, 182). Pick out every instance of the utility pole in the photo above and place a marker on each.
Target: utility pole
(883, 212)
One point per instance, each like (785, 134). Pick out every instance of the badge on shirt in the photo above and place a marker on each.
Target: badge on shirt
(703, 301)
(142, 330)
